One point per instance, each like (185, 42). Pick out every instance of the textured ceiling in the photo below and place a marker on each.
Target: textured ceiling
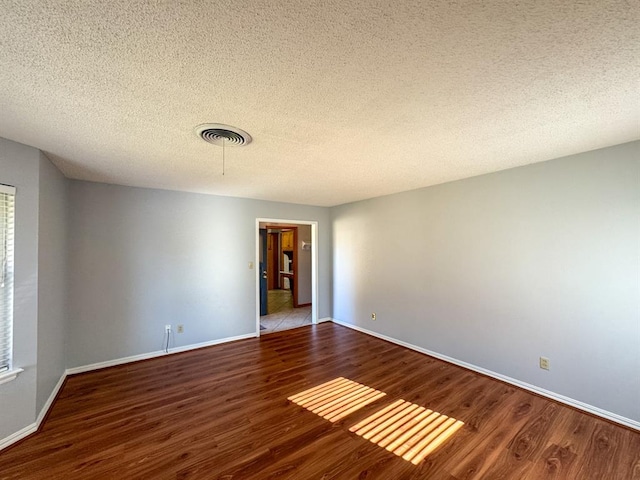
(344, 99)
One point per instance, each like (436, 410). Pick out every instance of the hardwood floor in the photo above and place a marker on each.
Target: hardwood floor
(223, 412)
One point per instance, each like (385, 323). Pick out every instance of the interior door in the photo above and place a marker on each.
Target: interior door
(263, 272)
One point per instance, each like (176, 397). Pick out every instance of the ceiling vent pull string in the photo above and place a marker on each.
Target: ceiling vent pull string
(219, 134)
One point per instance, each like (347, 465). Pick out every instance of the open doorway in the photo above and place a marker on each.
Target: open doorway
(286, 277)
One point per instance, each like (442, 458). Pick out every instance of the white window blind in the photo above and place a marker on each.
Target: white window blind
(7, 209)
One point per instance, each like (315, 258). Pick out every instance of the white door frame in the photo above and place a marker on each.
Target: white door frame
(314, 265)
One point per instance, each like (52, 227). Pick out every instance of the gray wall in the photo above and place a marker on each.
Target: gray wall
(494, 270)
(500, 269)
(143, 258)
(19, 166)
(52, 279)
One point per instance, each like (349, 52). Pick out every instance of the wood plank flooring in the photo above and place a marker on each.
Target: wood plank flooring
(222, 413)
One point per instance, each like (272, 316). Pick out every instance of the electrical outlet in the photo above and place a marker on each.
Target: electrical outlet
(180, 328)
(167, 328)
(373, 316)
(544, 363)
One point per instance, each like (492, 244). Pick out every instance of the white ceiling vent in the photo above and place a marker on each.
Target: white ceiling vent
(219, 134)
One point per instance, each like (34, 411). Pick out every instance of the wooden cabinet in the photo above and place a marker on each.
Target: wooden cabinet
(272, 261)
(287, 240)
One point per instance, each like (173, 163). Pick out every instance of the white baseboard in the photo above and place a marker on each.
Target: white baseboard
(160, 353)
(19, 435)
(47, 405)
(613, 417)
(32, 428)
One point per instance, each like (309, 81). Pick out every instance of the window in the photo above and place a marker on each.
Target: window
(7, 207)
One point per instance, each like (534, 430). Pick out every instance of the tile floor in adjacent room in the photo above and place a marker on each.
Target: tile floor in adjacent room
(282, 315)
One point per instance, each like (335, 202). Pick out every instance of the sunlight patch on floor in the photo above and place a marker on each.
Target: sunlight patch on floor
(336, 399)
(403, 428)
(407, 430)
